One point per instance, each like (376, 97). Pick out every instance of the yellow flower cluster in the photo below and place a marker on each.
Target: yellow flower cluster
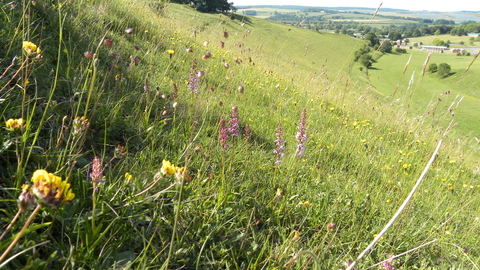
(306, 203)
(128, 177)
(50, 190)
(167, 168)
(181, 173)
(31, 49)
(14, 124)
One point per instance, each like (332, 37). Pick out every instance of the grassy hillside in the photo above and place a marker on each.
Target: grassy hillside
(427, 95)
(286, 46)
(145, 135)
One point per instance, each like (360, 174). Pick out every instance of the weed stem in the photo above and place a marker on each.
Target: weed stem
(400, 210)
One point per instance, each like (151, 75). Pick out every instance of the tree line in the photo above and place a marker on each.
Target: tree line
(208, 5)
(464, 29)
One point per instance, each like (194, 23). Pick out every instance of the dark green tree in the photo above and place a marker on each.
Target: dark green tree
(365, 60)
(386, 47)
(416, 33)
(432, 68)
(444, 70)
(439, 42)
(372, 37)
(394, 35)
(360, 52)
(208, 5)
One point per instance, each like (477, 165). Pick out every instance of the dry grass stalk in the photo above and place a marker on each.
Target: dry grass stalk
(401, 254)
(424, 68)
(412, 80)
(400, 210)
(406, 65)
(376, 11)
(471, 63)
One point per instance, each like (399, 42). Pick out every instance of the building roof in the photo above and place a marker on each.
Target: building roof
(433, 47)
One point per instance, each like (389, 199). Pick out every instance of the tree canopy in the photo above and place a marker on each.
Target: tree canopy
(208, 5)
(386, 47)
(463, 29)
(372, 37)
(444, 70)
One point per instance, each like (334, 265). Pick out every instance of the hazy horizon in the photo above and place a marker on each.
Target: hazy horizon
(444, 6)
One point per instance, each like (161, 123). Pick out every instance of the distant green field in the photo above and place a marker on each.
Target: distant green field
(386, 76)
(428, 40)
(349, 16)
(263, 13)
(362, 14)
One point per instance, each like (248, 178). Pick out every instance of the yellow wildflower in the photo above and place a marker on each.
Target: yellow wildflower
(31, 49)
(50, 190)
(167, 168)
(14, 124)
(296, 235)
(170, 52)
(129, 178)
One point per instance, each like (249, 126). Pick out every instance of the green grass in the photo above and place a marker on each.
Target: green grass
(238, 209)
(263, 13)
(423, 96)
(428, 40)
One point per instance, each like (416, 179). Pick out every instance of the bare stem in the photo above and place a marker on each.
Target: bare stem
(401, 254)
(400, 210)
(20, 210)
(21, 232)
(300, 254)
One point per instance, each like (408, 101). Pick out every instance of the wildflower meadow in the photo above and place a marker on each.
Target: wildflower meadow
(142, 134)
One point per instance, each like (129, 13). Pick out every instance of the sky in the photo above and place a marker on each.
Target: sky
(430, 5)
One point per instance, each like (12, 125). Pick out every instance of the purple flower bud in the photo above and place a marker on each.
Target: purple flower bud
(96, 174)
(193, 78)
(302, 134)
(280, 143)
(223, 134)
(234, 122)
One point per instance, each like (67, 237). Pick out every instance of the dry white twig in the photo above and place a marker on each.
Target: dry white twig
(400, 210)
